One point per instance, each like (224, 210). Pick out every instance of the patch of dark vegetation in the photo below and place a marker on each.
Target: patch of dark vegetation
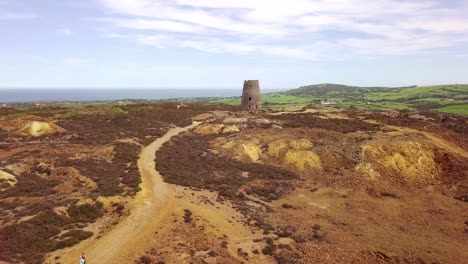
(7, 110)
(427, 105)
(31, 185)
(269, 250)
(4, 183)
(42, 111)
(106, 175)
(270, 190)
(287, 206)
(3, 138)
(186, 156)
(130, 121)
(27, 240)
(186, 160)
(260, 222)
(187, 216)
(287, 254)
(287, 257)
(126, 157)
(287, 231)
(145, 260)
(452, 171)
(389, 194)
(73, 237)
(30, 240)
(85, 213)
(313, 121)
(298, 238)
(463, 198)
(318, 235)
(118, 207)
(270, 247)
(110, 177)
(27, 209)
(44, 169)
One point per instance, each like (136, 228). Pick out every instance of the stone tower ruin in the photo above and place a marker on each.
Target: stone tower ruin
(251, 96)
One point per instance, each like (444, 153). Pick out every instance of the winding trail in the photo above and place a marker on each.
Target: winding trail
(128, 240)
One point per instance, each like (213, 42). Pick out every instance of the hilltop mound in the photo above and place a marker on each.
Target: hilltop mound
(412, 161)
(37, 129)
(276, 150)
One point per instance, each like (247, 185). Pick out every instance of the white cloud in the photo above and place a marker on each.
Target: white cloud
(158, 41)
(296, 28)
(65, 31)
(145, 24)
(74, 61)
(17, 16)
(114, 36)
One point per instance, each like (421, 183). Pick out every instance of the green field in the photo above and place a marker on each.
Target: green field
(272, 99)
(455, 109)
(442, 98)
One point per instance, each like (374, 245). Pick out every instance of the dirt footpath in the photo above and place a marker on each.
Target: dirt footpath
(128, 240)
(152, 212)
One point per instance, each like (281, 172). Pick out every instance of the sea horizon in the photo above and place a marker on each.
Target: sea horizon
(22, 95)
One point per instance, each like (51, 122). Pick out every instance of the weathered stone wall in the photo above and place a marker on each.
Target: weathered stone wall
(251, 96)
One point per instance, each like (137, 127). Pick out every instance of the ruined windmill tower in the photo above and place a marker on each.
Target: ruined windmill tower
(251, 96)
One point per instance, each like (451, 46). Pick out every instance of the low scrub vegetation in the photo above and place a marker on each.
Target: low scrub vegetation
(333, 124)
(110, 177)
(31, 185)
(85, 213)
(29, 240)
(451, 127)
(130, 121)
(187, 161)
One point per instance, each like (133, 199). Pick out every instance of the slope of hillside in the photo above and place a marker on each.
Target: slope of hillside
(330, 88)
(443, 98)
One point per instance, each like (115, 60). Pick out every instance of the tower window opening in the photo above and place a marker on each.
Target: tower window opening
(256, 106)
(250, 98)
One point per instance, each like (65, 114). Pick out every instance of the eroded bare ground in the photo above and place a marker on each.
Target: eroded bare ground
(318, 186)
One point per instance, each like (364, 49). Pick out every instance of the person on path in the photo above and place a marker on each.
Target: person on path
(82, 259)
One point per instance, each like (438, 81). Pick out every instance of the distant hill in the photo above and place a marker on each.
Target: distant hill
(326, 88)
(443, 98)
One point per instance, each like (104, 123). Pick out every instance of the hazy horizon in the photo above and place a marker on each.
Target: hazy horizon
(19, 95)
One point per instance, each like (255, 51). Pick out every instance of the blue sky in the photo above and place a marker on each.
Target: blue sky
(218, 43)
